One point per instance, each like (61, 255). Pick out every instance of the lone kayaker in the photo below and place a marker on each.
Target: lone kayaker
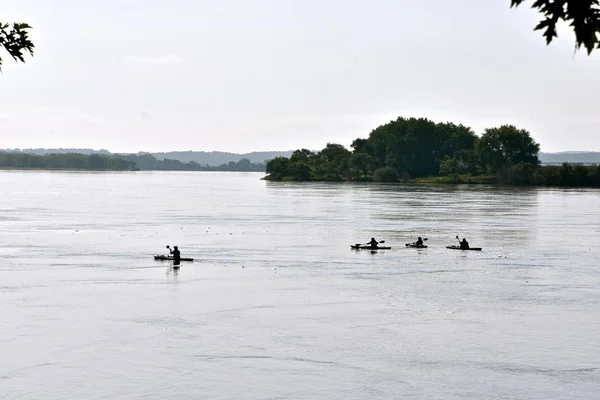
(419, 242)
(373, 243)
(176, 255)
(464, 245)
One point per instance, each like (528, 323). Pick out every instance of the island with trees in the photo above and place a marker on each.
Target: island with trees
(420, 150)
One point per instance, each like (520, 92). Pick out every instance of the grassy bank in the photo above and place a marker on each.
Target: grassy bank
(565, 175)
(453, 179)
(458, 179)
(318, 178)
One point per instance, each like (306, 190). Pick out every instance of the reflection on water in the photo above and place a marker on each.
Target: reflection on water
(276, 305)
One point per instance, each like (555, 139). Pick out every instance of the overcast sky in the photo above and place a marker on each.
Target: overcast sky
(241, 75)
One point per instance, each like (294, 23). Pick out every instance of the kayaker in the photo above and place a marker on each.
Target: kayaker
(464, 245)
(176, 255)
(419, 242)
(373, 243)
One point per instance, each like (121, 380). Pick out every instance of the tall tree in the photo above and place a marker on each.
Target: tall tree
(582, 15)
(15, 40)
(506, 146)
(336, 158)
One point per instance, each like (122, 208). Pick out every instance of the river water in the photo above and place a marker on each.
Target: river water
(277, 305)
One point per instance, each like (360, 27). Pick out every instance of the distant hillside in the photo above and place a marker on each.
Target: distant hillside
(575, 157)
(212, 158)
(42, 152)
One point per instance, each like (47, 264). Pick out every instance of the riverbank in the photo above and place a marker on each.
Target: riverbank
(559, 176)
(455, 179)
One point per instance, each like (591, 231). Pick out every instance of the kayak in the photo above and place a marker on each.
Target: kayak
(170, 258)
(453, 247)
(423, 246)
(361, 247)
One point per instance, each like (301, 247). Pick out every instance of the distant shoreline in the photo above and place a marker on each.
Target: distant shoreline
(101, 162)
(113, 170)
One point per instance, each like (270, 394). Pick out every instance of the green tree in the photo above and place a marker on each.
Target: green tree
(362, 164)
(416, 146)
(303, 156)
(360, 145)
(582, 15)
(336, 158)
(15, 40)
(455, 138)
(278, 167)
(506, 146)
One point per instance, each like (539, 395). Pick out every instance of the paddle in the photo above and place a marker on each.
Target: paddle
(172, 265)
(367, 244)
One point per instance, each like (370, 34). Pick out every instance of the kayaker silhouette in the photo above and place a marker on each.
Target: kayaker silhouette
(419, 241)
(176, 255)
(464, 245)
(373, 243)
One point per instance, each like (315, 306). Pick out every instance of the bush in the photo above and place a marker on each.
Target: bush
(385, 174)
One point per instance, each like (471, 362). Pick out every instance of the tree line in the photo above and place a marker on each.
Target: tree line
(94, 162)
(420, 149)
(149, 162)
(132, 162)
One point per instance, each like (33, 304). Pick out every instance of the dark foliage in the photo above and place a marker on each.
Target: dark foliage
(582, 15)
(15, 40)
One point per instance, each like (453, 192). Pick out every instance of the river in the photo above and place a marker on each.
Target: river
(276, 304)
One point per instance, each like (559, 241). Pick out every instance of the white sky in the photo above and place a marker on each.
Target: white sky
(240, 75)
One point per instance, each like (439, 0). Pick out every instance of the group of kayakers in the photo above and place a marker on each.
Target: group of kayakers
(374, 244)
(464, 245)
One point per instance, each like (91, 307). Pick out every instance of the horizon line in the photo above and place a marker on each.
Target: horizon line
(144, 151)
(221, 151)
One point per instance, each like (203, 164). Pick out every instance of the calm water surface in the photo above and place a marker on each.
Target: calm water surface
(277, 306)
